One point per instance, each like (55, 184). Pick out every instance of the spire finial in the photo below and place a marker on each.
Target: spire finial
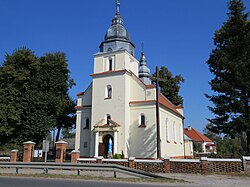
(118, 6)
(142, 47)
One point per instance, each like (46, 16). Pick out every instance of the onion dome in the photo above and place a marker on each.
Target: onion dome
(144, 71)
(117, 36)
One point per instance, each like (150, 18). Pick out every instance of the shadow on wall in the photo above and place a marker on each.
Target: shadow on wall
(142, 141)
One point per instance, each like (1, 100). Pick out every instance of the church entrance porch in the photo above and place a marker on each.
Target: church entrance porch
(106, 138)
(106, 148)
(105, 143)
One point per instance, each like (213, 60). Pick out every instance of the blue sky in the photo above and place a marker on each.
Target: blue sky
(177, 34)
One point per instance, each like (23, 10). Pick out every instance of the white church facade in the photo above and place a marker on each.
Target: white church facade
(120, 105)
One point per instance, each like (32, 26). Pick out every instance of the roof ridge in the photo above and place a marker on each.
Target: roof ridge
(168, 100)
(198, 134)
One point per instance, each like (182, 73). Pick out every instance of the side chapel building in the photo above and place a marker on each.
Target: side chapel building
(120, 104)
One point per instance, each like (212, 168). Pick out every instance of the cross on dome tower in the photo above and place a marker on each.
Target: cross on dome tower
(117, 37)
(118, 6)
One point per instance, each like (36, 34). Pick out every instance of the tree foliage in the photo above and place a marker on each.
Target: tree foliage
(227, 147)
(33, 94)
(170, 85)
(229, 62)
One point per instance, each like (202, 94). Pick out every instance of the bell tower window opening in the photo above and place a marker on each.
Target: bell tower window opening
(110, 64)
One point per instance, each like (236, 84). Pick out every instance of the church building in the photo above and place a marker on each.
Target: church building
(117, 112)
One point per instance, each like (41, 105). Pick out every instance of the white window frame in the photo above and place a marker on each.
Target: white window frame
(174, 132)
(167, 130)
(139, 119)
(191, 147)
(181, 133)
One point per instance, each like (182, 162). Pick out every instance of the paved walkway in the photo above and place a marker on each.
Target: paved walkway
(212, 180)
(192, 179)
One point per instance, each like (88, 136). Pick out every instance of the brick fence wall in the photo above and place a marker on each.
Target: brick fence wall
(185, 166)
(226, 165)
(202, 166)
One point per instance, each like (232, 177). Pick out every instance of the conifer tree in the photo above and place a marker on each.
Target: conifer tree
(229, 62)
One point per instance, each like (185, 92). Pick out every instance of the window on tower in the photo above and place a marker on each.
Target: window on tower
(108, 92)
(87, 123)
(110, 64)
(142, 121)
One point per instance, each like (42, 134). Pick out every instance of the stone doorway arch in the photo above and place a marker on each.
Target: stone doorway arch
(103, 147)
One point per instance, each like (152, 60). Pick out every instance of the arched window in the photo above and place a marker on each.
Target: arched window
(110, 49)
(167, 131)
(108, 92)
(181, 133)
(108, 118)
(87, 123)
(142, 120)
(174, 132)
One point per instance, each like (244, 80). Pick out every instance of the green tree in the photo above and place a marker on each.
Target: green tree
(68, 133)
(229, 62)
(58, 82)
(67, 118)
(33, 93)
(15, 75)
(170, 85)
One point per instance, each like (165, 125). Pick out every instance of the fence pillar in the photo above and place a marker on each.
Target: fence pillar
(13, 155)
(28, 151)
(60, 151)
(166, 165)
(74, 156)
(131, 162)
(204, 165)
(246, 163)
(99, 159)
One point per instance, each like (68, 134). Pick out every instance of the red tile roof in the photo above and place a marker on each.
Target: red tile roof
(80, 93)
(165, 102)
(196, 135)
